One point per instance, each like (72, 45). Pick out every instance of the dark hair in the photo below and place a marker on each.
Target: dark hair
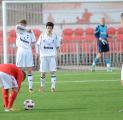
(23, 21)
(24, 75)
(121, 14)
(50, 24)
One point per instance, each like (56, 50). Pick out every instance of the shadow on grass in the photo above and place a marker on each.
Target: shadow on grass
(47, 110)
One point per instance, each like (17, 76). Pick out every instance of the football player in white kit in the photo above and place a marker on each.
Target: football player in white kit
(25, 41)
(48, 46)
(122, 64)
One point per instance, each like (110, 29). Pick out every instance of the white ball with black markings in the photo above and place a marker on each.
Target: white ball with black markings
(29, 104)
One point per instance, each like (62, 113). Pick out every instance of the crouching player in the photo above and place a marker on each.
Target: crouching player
(11, 77)
(48, 45)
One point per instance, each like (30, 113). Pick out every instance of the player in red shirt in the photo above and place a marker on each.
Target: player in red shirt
(11, 77)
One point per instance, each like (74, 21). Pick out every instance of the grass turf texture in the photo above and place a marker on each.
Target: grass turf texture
(79, 96)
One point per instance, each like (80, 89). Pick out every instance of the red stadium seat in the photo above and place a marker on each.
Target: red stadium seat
(111, 46)
(120, 37)
(12, 40)
(78, 34)
(11, 50)
(94, 47)
(120, 34)
(67, 34)
(120, 30)
(73, 48)
(37, 33)
(89, 34)
(1, 33)
(86, 47)
(63, 48)
(12, 36)
(120, 46)
(111, 32)
(1, 50)
(12, 33)
(90, 38)
(1, 40)
(89, 31)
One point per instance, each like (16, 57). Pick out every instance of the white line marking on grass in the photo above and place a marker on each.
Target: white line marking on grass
(83, 73)
(82, 81)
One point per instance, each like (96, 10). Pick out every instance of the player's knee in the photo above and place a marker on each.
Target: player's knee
(15, 89)
(29, 70)
(42, 75)
(99, 55)
(53, 74)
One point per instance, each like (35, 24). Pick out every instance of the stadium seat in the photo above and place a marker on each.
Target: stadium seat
(67, 34)
(78, 34)
(89, 34)
(63, 49)
(86, 47)
(11, 50)
(120, 34)
(12, 36)
(120, 30)
(94, 47)
(89, 31)
(73, 47)
(1, 33)
(12, 40)
(119, 46)
(37, 33)
(111, 46)
(12, 33)
(111, 32)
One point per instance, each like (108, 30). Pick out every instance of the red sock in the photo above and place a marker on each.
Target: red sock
(12, 97)
(5, 95)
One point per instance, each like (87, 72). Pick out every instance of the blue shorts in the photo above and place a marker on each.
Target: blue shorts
(102, 47)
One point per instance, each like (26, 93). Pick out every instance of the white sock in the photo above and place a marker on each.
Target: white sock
(42, 80)
(93, 64)
(108, 65)
(53, 81)
(30, 81)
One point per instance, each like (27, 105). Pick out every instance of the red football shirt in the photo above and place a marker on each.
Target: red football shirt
(14, 71)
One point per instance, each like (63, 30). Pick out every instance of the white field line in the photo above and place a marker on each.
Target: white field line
(76, 74)
(82, 81)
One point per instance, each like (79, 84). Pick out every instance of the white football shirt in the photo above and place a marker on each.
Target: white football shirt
(24, 38)
(47, 45)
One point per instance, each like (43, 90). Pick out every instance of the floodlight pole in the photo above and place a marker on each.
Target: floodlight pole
(5, 43)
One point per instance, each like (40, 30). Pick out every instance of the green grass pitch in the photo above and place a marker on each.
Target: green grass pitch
(79, 96)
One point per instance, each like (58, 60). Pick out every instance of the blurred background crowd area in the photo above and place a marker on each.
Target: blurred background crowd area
(74, 23)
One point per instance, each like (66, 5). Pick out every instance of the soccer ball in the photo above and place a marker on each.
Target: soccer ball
(29, 104)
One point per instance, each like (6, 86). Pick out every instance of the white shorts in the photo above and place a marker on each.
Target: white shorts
(24, 58)
(48, 64)
(122, 73)
(7, 81)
